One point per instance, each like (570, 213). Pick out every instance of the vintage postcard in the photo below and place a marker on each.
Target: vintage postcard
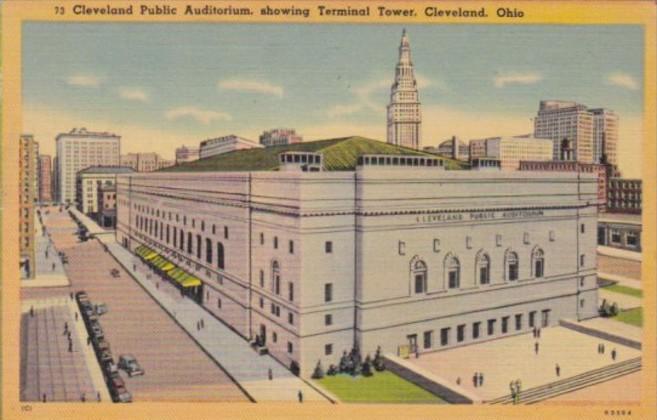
(314, 209)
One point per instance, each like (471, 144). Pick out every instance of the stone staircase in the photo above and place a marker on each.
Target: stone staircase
(583, 380)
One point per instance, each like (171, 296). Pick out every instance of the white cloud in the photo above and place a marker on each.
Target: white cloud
(623, 80)
(250, 85)
(340, 110)
(84, 80)
(133, 94)
(204, 116)
(516, 78)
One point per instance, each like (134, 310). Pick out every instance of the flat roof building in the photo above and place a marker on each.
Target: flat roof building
(225, 144)
(316, 248)
(88, 182)
(45, 179)
(280, 137)
(510, 150)
(28, 194)
(145, 162)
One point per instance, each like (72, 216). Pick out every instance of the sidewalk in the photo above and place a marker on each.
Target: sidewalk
(614, 327)
(619, 253)
(624, 301)
(224, 346)
(91, 225)
(45, 256)
(625, 281)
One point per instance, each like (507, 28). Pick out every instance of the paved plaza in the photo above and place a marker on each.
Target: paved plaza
(508, 359)
(49, 371)
(619, 266)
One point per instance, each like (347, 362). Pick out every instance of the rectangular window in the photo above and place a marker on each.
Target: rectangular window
(582, 228)
(581, 303)
(476, 326)
(328, 319)
(291, 247)
(518, 322)
(328, 292)
(498, 240)
(290, 318)
(402, 248)
(262, 303)
(328, 349)
(632, 239)
(615, 236)
(460, 333)
(491, 326)
(428, 338)
(289, 347)
(328, 247)
(225, 232)
(532, 319)
(262, 278)
(505, 324)
(581, 260)
(274, 337)
(444, 336)
(468, 242)
(262, 238)
(436, 245)
(219, 303)
(525, 238)
(290, 291)
(214, 229)
(545, 317)
(275, 242)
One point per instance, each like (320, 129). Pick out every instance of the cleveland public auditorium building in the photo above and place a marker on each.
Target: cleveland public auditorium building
(320, 246)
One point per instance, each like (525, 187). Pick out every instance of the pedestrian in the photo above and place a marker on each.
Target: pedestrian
(474, 380)
(53, 266)
(613, 354)
(157, 285)
(83, 398)
(536, 347)
(70, 347)
(65, 327)
(69, 335)
(270, 374)
(32, 311)
(46, 254)
(481, 379)
(300, 395)
(534, 332)
(557, 368)
(538, 333)
(98, 396)
(71, 295)
(458, 381)
(43, 398)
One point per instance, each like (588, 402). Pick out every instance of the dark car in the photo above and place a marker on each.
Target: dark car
(117, 389)
(81, 295)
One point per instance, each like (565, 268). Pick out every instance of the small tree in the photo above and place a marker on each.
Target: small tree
(367, 366)
(604, 308)
(332, 370)
(344, 362)
(378, 360)
(318, 373)
(613, 310)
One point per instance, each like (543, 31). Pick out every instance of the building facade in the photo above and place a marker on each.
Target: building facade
(511, 150)
(624, 195)
(79, 149)
(28, 194)
(396, 252)
(89, 181)
(453, 148)
(225, 144)
(45, 179)
(106, 215)
(593, 133)
(145, 162)
(280, 137)
(186, 154)
(404, 115)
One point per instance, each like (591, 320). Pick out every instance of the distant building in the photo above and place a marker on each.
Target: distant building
(624, 196)
(45, 179)
(404, 115)
(27, 173)
(107, 205)
(452, 148)
(89, 181)
(620, 231)
(602, 172)
(186, 154)
(145, 162)
(485, 163)
(225, 144)
(279, 137)
(511, 150)
(79, 149)
(593, 133)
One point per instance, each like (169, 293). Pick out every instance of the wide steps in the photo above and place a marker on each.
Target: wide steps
(583, 380)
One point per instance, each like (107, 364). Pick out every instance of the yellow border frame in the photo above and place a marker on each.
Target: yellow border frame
(16, 12)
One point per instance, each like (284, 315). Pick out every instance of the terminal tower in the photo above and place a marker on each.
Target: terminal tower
(404, 116)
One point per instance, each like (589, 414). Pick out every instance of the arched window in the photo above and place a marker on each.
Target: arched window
(419, 275)
(511, 265)
(276, 277)
(199, 241)
(220, 255)
(208, 250)
(182, 240)
(538, 262)
(189, 242)
(482, 268)
(452, 272)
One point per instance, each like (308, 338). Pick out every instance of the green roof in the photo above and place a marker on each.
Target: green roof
(340, 154)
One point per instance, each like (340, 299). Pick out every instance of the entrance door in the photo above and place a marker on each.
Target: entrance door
(545, 319)
(412, 342)
(263, 334)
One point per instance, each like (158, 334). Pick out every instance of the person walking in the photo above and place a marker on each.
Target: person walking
(481, 379)
(536, 347)
(474, 380)
(613, 354)
(599, 348)
(53, 266)
(65, 328)
(300, 396)
(557, 369)
(538, 333)
(458, 381)
(534, 331)
(270, 374)
(32, 311)
(43, 398)
(70, 347)
(98, 396)
(83, 397)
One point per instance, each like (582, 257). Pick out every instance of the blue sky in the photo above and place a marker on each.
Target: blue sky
(180, 83)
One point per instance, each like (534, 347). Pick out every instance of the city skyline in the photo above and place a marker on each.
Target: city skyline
(146, 91)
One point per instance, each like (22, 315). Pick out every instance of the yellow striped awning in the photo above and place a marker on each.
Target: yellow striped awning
(190, 282)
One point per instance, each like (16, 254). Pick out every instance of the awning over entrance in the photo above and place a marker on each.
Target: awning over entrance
(175, 273)
(183, 278)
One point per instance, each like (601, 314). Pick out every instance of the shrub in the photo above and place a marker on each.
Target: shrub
(378, 360)
(367, 366)
(613, 310)
(344, 362)
(318, 373)
(332, 370)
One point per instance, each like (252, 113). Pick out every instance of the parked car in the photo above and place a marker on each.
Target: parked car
(81, 295)
(117, 389)
(96, 330)
(101, 308)
(110, 368)
(105, 357)
(128, 363)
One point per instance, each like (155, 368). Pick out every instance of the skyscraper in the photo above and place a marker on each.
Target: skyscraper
(27, 171)
(81, 149)
(605, 135)
(404, 116)
(45, 178)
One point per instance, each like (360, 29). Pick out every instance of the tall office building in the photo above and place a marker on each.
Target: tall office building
(404, 116)
(27, 172)
(45, 178)
(81, 149)
(280, 136)
(592, 133)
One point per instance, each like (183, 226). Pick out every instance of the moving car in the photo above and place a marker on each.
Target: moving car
(128, 363)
